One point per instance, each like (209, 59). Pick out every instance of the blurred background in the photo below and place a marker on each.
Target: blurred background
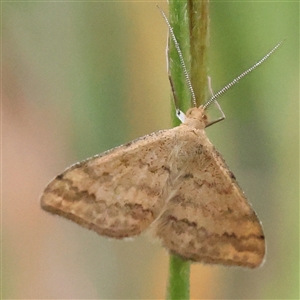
(79, 78)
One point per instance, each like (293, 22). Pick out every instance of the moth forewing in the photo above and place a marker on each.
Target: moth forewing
(207, 217)
(117, 193)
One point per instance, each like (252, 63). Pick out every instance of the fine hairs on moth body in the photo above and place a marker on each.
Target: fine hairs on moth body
(173, 182)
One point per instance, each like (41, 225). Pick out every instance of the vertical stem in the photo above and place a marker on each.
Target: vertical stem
(179, 278)
(179, 21)
(199, 41)
(179, 270)
(189, 20)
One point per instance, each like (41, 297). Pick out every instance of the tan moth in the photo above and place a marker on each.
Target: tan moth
(175, 183)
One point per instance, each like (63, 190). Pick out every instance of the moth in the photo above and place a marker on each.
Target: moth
(175, 183)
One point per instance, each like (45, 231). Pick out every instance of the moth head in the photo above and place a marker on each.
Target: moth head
(196, 118)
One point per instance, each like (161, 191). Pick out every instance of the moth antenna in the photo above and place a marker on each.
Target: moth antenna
(185, 72)
(237, 79)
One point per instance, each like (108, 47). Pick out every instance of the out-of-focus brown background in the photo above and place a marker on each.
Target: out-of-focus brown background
(79, 78)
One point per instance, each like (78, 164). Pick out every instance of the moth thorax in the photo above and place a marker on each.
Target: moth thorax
(196, 118)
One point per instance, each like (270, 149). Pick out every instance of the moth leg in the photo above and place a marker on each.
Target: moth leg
(179, 114)
(217, 104)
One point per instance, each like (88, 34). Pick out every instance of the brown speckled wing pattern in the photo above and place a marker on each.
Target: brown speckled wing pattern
(172, 181)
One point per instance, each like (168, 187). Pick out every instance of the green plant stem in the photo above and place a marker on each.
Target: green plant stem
(189, 20)
(179, 278)
(180, 23)
(199, 41)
